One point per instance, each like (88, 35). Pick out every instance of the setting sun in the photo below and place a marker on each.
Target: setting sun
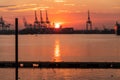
(57, 25)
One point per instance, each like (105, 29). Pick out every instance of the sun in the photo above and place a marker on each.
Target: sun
(57, 25)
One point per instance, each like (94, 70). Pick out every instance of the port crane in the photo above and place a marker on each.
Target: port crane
(4, 25)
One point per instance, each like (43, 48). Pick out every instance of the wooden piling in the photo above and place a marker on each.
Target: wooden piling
(16, 48)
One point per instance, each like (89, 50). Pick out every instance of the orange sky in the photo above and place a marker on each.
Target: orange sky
(72, 13)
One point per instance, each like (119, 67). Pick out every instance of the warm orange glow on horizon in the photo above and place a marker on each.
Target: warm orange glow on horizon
(72, 13)
(57, 25)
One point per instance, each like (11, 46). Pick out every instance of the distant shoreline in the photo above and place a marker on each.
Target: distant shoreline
(12, 32)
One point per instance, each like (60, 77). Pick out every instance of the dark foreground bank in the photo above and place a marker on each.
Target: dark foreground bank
(30, 64)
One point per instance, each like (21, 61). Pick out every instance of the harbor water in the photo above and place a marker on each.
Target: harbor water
(61, 47)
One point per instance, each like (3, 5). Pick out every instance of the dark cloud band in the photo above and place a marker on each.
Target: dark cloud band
(5, 6)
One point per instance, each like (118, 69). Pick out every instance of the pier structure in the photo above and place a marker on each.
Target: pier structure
(82, 65)
(88, 22)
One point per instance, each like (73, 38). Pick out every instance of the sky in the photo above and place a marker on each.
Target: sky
(70, 13)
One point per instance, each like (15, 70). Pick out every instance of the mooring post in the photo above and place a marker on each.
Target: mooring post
(16, 48)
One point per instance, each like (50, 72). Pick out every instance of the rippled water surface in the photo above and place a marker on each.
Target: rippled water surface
(74, 47)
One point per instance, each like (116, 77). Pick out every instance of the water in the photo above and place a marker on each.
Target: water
(61, 74)
(74, 47)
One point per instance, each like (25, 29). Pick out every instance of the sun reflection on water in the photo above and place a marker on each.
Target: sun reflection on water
(57, 52)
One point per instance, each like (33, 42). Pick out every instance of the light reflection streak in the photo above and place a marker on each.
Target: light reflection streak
(57, 52)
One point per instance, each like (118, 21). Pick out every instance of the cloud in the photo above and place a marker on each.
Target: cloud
(59, 0)
(23, 7)
(83, 5)
(63, 11)
(5, 6)
(20, 7)
(69, 4)
(116, 7)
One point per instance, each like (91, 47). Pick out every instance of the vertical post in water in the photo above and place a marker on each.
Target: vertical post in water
(16, 48)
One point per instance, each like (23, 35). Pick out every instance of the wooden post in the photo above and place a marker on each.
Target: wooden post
(16, 48)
